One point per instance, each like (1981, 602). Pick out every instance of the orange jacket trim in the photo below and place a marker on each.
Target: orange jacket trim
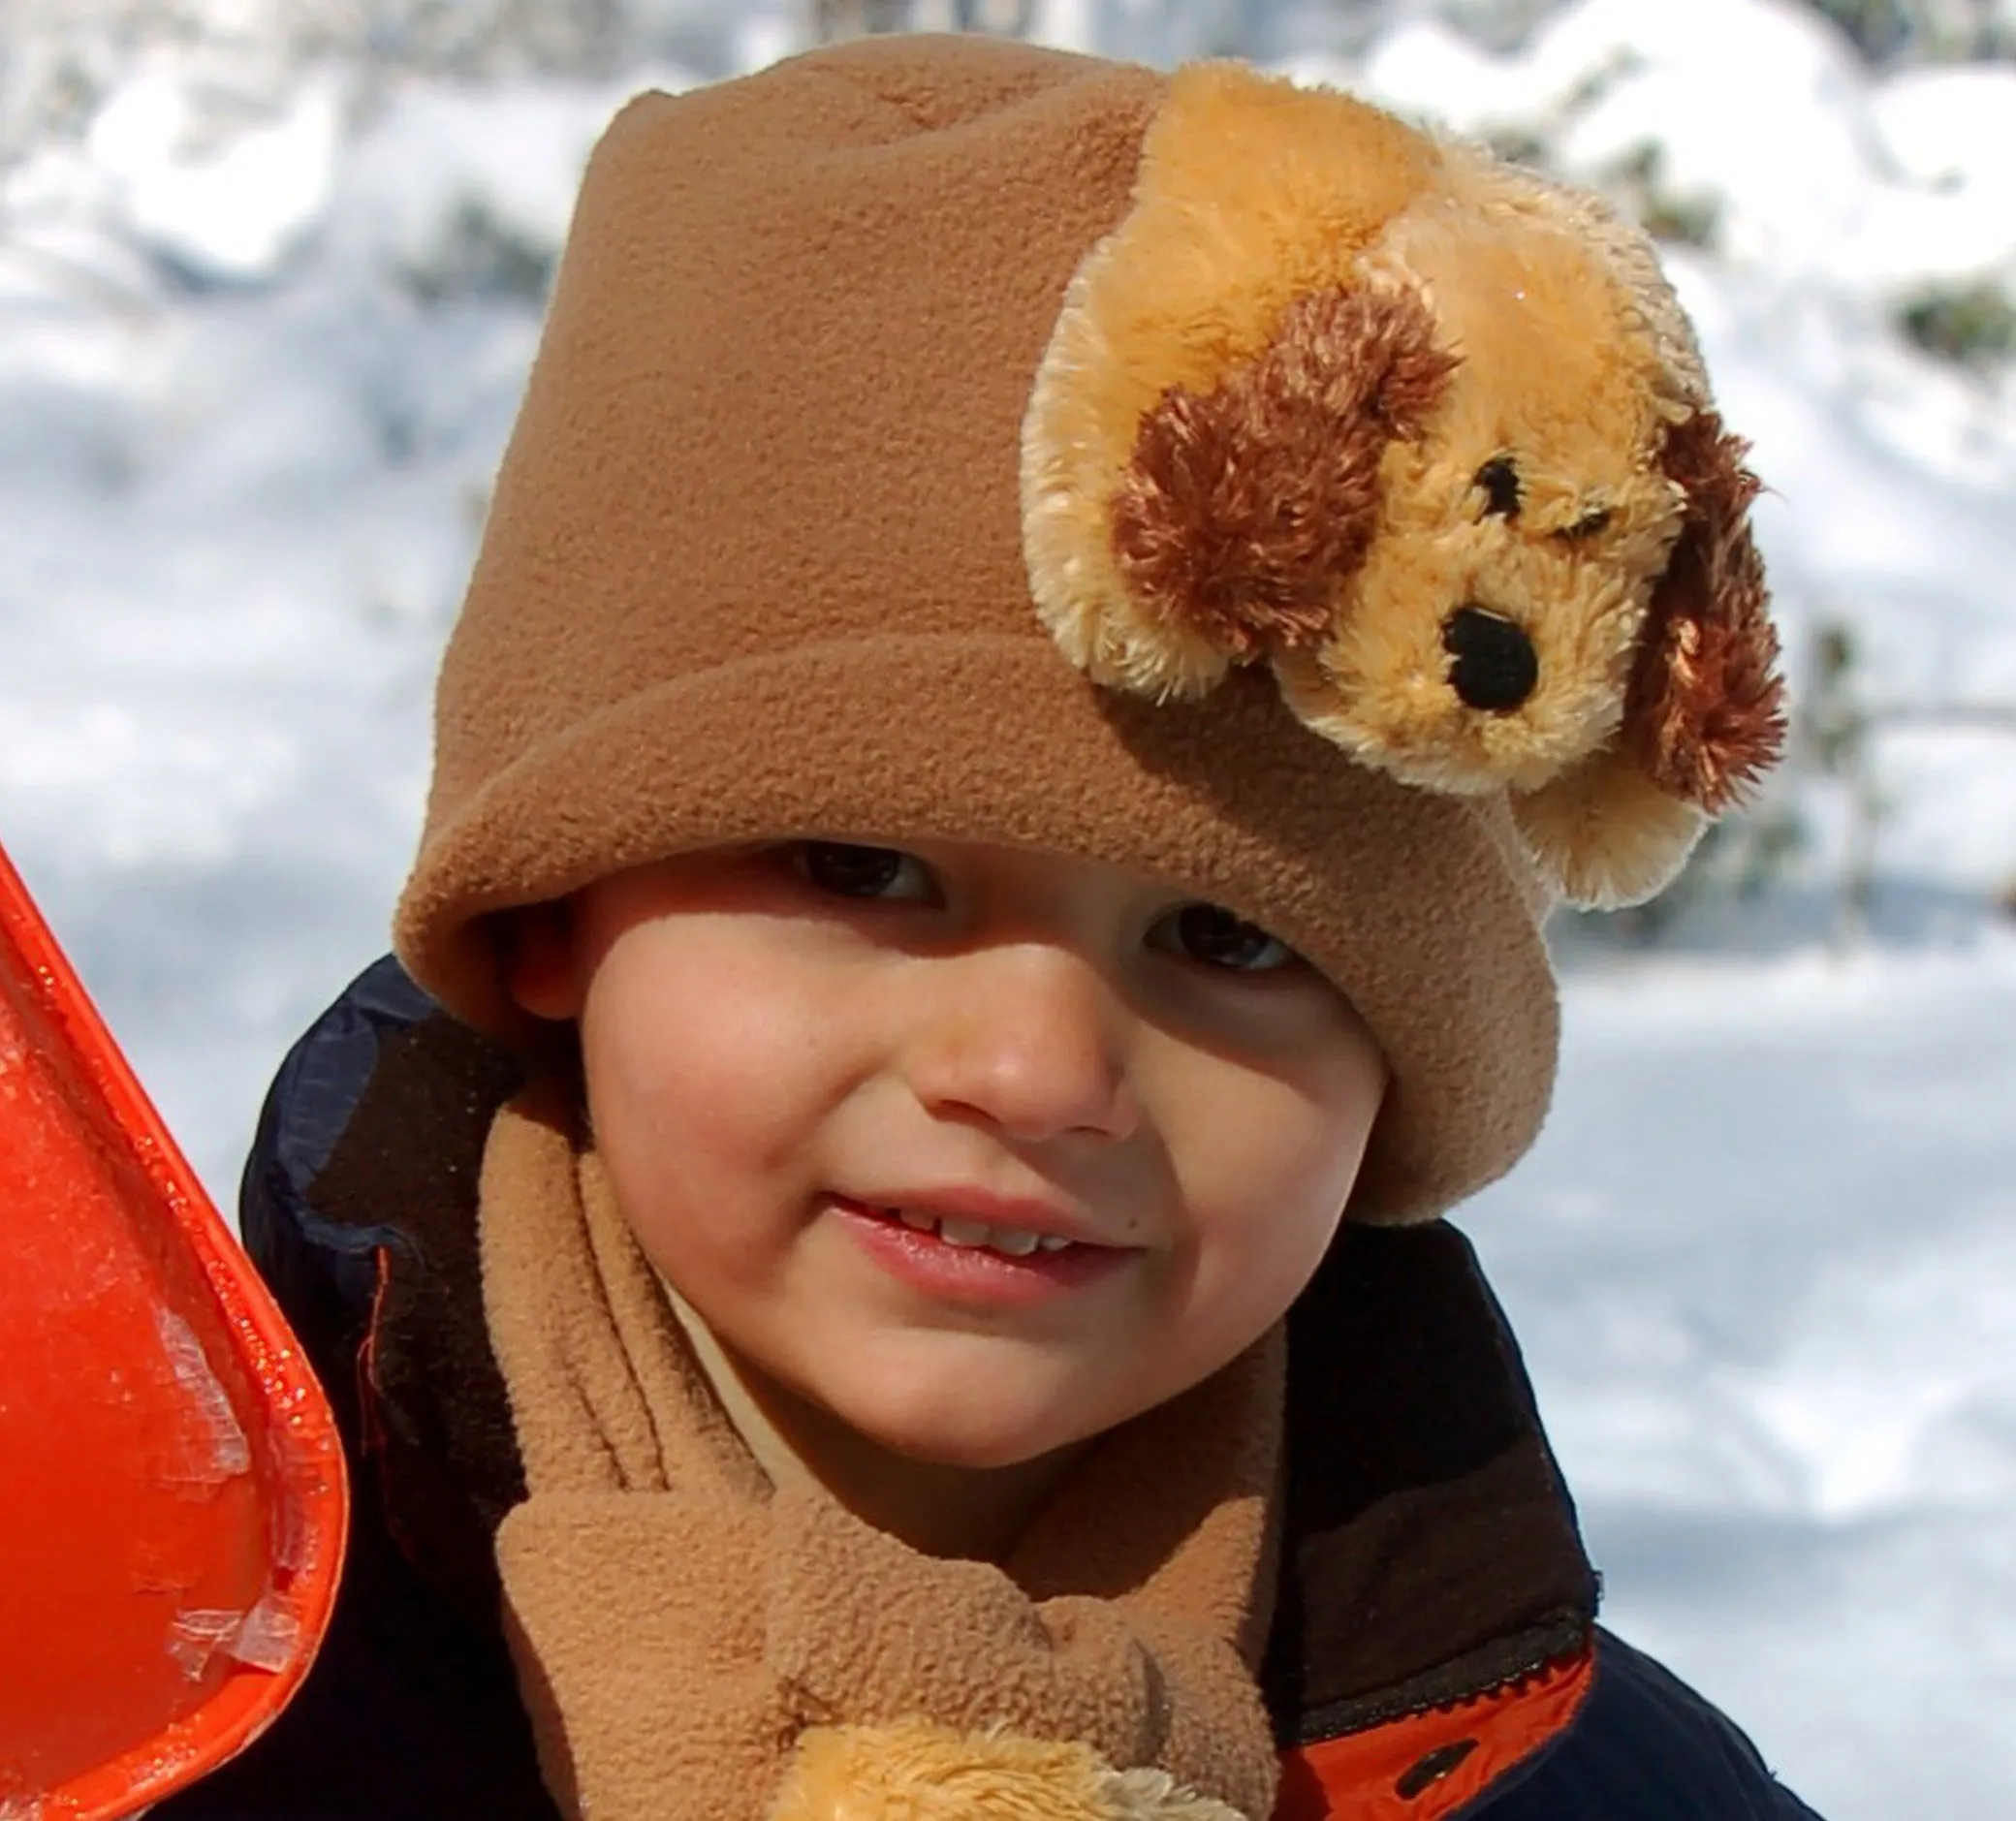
(1429, 1765)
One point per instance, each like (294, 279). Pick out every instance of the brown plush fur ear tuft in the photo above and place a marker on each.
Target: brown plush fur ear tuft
(1704, 715)
(1246, 506)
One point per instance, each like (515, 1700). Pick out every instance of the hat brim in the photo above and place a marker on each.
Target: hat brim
(1419, 906)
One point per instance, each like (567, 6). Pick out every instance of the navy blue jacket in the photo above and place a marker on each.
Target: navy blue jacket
(1434, 1596)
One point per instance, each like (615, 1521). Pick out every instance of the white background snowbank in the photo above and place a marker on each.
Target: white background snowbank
(1764, 1264)
(252, 387)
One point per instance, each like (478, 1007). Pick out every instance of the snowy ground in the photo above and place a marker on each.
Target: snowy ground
(1765, 1257)
(1764, 1264)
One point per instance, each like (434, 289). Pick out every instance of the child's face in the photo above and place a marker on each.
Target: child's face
(801, 1056)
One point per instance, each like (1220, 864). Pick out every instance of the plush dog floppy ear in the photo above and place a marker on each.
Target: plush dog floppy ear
(1705, 713)
(1704, 710)
(1244, 507)
(1201, 448)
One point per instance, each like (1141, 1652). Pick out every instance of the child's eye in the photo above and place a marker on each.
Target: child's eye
(1212, 934)
(848, 870)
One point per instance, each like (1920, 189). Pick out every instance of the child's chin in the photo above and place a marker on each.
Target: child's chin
(982, 1454)
(970, 1439)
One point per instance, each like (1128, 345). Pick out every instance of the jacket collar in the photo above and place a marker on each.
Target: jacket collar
(1431, 1548)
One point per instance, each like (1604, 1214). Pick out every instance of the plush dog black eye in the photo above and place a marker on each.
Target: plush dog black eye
(1499, 481)
(1591, 523)
(1492, 663)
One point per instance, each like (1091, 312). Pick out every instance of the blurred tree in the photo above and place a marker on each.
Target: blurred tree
(1972, 324)
(61, 59)
(485, 37)
(1945, 31)
(834, 19)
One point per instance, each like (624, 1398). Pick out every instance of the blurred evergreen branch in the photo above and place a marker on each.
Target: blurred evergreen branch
(1971, 326)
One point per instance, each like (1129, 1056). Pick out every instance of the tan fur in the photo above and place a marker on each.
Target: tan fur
(1250, 194)
(1513, 193)
(1552, 379)
(1608, 832)
(917, 1772)
(1224, 523)
(1186, 511)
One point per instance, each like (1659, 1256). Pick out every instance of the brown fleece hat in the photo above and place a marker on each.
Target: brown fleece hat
(803, 529)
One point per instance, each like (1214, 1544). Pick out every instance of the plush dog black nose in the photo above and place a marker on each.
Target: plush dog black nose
(1492, 662)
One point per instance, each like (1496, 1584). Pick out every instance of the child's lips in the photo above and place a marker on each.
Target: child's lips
(966, 1268)
(963, 1209)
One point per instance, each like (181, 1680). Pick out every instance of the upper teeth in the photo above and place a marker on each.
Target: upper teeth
(1009, 1239)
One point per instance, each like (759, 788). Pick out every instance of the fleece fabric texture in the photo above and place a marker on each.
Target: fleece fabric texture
(678, 1622)
(1406, 1584)
(754, 568)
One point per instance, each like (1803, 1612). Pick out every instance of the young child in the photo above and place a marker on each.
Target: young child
(1048, 635)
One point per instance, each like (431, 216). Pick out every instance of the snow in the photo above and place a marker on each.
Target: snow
(507, 152)
(231, 211)
(253, 378)
(1764, 1264)
(1816, 175)
(1951, 127)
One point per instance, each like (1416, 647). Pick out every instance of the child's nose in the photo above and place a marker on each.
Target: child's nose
(1029, 1037)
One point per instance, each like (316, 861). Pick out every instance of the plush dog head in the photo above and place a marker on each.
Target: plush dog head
(1429, 436)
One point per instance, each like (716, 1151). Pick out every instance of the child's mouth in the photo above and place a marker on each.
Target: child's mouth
(966, 1261)
(1011, 1242)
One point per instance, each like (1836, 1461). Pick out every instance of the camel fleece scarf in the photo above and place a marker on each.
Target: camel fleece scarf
(694, 1643)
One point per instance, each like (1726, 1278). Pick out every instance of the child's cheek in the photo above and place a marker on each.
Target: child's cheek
(1273, 1176)
(700, 1086)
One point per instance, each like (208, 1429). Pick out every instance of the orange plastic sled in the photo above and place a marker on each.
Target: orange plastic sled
(172, 1487)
